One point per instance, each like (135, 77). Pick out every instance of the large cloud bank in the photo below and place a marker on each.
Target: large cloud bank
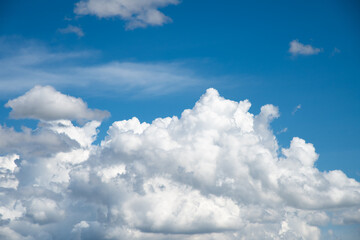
(214, 173)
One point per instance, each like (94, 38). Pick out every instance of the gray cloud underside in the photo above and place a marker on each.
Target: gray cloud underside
(41, 142)
(214, 173)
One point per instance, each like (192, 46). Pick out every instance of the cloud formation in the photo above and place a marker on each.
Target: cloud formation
(216, 172)
(136, 13)
(297, 48)
(72, 29)
(297, 108)
(45, 103)
(32, 63)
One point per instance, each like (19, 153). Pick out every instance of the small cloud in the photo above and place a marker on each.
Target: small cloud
(284, 130)
(45, 103)
(72, 29)
(298, 107)
(136, 13)
(297, 48)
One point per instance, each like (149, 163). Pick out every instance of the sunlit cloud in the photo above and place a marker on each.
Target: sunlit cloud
(215, 172)
(136, 13)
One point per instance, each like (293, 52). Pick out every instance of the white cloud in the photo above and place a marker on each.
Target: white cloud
(297, 108)
(136, 13)
(45, 103)
(168, 207)
(40, 142)
(284, 130)
(72, 29)
(7, 172)
(297, 48)
(216, 172)
(43, 210)
(149, 78)
(32, 64)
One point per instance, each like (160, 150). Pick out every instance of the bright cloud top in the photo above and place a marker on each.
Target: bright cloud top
(45, 103)
(137, 13)
(297, 48)
(214, 173)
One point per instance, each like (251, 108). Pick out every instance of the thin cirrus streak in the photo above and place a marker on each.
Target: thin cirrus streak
(214, 173)
(34, 64)
(72, 29)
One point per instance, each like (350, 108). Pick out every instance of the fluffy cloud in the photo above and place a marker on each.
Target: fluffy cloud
(39, 142)
(7, 171)
(45, 103)
(216, 172)
(137, 13)
(297, 48)
(168, 207)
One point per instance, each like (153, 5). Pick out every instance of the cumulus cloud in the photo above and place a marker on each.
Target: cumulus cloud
(297, 48)
(39, 142)
(45, 103)
(168, 207)
(215, 172)
(136, 13)
(7, 171)
(72, 29)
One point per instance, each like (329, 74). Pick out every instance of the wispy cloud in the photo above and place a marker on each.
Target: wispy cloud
(297, 108)
(335, 51)
(72, 29)
(297, 48)
(33, 64)
(284, 130)
(136, 13)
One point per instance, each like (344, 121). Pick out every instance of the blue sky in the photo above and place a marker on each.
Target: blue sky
(160, 66)
(238, 47)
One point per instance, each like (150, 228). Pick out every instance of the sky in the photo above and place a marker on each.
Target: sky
(179, 119)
